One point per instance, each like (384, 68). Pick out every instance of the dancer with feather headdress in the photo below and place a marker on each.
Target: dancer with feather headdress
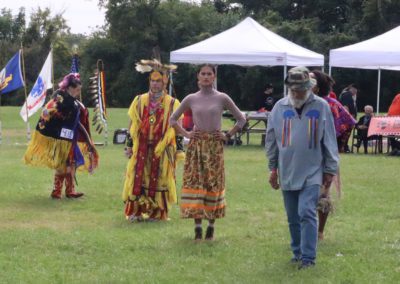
(149, 187)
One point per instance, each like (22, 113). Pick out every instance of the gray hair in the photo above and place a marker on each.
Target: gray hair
(369, 107)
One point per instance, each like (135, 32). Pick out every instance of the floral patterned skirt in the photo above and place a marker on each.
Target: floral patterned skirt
(203, 191)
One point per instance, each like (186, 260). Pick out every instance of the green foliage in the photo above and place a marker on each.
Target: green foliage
(11, 28)
(42, 32)
(135, 28)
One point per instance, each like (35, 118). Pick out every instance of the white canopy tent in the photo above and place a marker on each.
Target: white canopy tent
(380, 52)
(247, 44)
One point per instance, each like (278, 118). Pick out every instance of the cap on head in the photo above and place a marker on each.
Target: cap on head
(298, 79)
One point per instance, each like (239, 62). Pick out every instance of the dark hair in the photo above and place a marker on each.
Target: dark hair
(71, 80)
(213, 68)
(351, 86)
(324, 83)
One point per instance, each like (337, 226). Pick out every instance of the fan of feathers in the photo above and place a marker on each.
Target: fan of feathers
(95, 91)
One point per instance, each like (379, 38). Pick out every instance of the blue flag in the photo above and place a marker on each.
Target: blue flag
(11, 76)
(75, 64)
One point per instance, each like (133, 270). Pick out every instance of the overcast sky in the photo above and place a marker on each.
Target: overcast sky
(82, 15)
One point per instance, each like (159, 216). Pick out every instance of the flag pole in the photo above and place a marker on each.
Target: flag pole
(80, 94)
(52, 67)
(75, 58)
(28, 128)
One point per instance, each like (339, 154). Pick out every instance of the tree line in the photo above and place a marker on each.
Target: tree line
(134, 28)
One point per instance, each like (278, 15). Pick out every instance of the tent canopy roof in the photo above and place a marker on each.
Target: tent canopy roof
(380, 52)
(247, 44)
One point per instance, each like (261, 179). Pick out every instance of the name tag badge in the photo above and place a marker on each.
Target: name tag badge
(66, 133)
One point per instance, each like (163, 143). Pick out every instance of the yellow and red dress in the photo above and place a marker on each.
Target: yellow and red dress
(149, 186)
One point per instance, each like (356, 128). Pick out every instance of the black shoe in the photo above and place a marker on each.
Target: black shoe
(198, 233)
(306, 265)
(210, 233)
(295, 259)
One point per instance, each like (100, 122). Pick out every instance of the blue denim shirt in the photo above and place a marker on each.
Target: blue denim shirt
(302, 147)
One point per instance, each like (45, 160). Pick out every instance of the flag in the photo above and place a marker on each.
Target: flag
(11, 75)
(37, 96)
(75, 64)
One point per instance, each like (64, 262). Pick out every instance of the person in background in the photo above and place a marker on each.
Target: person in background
(332, 95)
(203, 190)
(303, 155)
(362, 127)
(344, 124)
(265, 101)
(348, 98)
(344, 121)
(62, 139)
(187, 122)
(394, 109)
(149, 188)
(270, 100)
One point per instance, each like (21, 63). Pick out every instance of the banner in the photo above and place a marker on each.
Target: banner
(385, 126)
(37, 96)
(11, 75)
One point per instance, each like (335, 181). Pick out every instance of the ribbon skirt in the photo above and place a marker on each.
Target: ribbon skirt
(203, 191)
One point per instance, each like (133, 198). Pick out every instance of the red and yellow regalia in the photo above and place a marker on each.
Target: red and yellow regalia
(150, 187)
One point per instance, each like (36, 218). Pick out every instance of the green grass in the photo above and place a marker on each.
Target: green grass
(89, 241)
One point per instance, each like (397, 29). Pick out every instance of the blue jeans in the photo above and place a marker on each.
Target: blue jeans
(301, 210)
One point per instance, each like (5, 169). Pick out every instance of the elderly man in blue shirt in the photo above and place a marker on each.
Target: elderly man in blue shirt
(303, 157)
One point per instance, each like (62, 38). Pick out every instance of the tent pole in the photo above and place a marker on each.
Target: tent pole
(216, 78)
(170, 83)
(330, 70)
(284, 75)
(378, 91)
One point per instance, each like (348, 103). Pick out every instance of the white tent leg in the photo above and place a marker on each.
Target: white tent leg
(28, 131)
(284, 76)
(378, 91)
(170, 83)
(216, 78)
(330, 70)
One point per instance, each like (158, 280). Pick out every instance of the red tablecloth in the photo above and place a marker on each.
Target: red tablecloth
(385, 126)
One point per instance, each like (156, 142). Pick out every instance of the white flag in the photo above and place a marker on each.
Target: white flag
(37, 96)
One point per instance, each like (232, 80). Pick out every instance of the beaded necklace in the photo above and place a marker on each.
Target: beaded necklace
(155, 102)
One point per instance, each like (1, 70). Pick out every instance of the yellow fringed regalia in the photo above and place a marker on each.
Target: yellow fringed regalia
(141, 206)
(47, 148)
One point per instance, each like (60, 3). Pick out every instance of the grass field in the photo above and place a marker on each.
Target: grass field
(89, 241)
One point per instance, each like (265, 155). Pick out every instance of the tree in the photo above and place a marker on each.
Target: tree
(42, 32)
